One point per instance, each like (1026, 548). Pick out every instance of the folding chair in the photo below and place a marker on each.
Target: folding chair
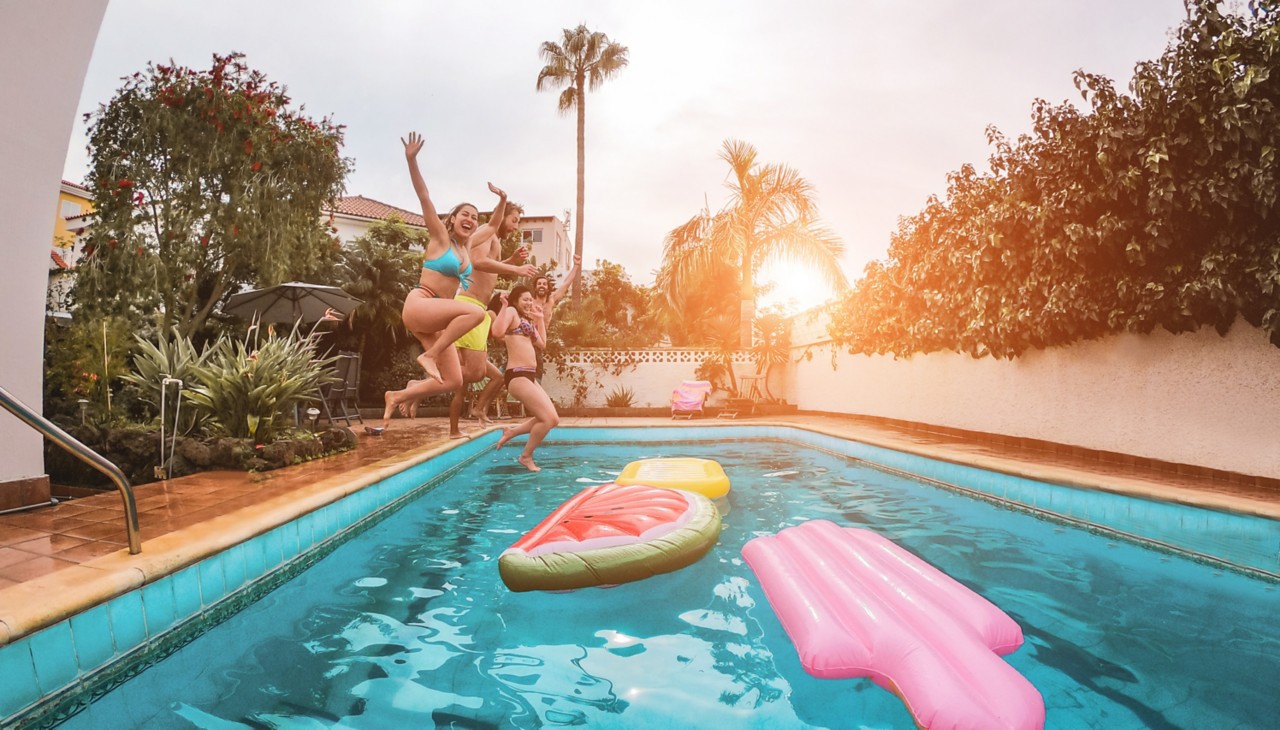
(340, 397)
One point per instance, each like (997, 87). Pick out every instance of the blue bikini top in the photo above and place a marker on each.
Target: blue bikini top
(450, 264)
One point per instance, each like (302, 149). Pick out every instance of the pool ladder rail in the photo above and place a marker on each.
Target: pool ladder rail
(77, 449)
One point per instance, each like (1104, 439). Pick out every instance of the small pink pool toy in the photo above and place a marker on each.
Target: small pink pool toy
(857, 605)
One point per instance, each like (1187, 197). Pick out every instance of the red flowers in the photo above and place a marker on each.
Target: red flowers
(255, 166)
(125, 182)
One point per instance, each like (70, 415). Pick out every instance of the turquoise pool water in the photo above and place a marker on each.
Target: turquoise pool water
(409, 625)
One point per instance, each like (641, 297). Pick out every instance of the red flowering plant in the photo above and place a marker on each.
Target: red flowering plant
(204, 181)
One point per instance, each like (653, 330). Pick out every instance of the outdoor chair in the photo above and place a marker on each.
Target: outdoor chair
(339, 400)
(749, 386)
(688, 399)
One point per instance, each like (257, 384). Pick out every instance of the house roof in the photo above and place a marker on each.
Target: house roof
(362, 207)
(57, 259)
(77, 186)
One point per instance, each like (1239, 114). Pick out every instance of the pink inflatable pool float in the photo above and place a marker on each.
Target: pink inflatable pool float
(857, 605)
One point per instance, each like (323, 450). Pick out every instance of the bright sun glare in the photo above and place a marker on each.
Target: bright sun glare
(795, 287)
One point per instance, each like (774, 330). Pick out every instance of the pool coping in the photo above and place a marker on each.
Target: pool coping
(33, 605)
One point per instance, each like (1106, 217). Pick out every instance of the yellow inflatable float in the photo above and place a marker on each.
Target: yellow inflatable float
(703, 476)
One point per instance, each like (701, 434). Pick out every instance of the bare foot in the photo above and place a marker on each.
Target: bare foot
(507, 434)
(527, 462)
(480, 416)
(389, 403)
(428, 364)
(458, 434)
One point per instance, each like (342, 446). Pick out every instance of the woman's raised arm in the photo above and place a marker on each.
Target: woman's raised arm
(434, 225)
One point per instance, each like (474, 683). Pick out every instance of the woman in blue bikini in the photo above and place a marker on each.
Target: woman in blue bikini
(520, 326)
(430, 311)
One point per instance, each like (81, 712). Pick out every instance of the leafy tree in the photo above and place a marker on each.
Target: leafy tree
(771, 214)
(204, 181)
(704, 310)
(613, 313)
(581, 62)
(1152, 209)
(379, 268)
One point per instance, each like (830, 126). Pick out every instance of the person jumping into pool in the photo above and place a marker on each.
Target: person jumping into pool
(545, 298)
(473, 347)
(522, 330)
(430, 311)
(544, 303)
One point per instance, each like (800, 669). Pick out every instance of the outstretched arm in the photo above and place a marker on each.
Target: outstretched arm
(434, 225)
(560, 291)
(482, 240)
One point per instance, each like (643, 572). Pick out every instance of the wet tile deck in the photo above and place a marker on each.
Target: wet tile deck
(37, 544)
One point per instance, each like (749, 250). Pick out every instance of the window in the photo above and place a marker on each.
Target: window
(533, 236)
(70, 208)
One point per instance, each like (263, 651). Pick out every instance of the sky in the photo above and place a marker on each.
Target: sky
(874, 102)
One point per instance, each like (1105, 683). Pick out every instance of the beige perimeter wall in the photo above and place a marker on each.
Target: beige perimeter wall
(1194, 398)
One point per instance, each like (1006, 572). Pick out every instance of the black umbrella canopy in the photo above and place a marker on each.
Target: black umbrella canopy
(290, 302)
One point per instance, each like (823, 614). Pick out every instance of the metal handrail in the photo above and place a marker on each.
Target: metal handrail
(83, 453)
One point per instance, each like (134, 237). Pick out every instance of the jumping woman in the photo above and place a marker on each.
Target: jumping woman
(518, 324)
(430, 311)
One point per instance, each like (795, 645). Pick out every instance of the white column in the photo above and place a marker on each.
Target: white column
(45, 48)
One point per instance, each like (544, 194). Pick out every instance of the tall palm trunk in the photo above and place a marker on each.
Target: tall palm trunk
(747, 307)
(582, 182)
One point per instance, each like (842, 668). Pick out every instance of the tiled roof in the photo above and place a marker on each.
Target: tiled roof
(57, 259)
(363, 207)
(78, 186)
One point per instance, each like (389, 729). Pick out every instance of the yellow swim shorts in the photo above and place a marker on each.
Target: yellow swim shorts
(477, 338)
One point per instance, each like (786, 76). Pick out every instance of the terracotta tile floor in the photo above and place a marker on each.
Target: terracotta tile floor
(42, 541)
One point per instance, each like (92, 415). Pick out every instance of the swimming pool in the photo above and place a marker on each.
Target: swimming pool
(409, 623)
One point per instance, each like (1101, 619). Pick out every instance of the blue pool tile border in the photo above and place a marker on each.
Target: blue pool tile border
(1197, 532)
(55, 672)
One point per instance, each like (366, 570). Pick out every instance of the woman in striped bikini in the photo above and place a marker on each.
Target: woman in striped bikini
(521, 328)
(430, 311)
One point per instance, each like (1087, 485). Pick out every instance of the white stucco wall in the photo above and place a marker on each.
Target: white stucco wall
(655, 375)
(1194, 398)
(44, 50)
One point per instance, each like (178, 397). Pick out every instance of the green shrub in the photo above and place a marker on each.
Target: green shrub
(253, 393)
(169, 357)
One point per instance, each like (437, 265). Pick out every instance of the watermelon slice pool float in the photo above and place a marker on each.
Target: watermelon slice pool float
(609, 534)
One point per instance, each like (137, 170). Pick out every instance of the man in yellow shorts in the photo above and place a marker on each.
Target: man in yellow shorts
(473, 347)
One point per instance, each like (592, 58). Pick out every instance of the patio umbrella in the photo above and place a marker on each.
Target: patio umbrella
(290, 302)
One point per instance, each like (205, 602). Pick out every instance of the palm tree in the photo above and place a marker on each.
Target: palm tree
(379, 269)
(771, 215)
(581, 62)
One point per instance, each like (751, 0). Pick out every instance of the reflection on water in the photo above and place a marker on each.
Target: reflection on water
(410, 626)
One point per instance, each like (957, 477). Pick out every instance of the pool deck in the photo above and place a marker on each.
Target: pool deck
(58, 560)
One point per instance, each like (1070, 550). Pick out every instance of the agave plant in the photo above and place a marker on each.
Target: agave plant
(253, 393)
(620, 397)
(171, 357)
